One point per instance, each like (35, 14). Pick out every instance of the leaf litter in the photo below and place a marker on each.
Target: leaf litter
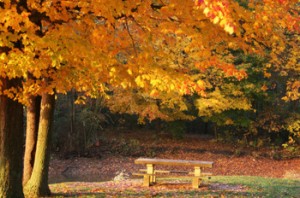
(82, 176)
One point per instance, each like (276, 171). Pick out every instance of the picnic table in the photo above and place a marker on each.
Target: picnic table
(150, 173)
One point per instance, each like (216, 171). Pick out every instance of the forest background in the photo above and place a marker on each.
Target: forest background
(231, 66)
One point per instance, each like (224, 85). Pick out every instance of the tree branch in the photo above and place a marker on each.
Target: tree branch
(130, 35)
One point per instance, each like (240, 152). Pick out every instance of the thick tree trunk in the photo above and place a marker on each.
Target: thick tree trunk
(32, 123)
(38, 183)
(11, 144)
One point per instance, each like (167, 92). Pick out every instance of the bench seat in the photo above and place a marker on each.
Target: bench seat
(176, 172)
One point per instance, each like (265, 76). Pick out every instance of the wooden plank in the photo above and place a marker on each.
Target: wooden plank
(156, 171)
(166, 176)
(175, 171)
(202, 173)
(206, 174)
(191, 174)
(207, 164)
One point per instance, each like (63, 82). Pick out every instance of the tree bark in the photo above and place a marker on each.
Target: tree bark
(11, 143)
(32, 123)
(37, 185)
(71, 133)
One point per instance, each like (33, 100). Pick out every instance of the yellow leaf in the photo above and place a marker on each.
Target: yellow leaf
(216, 20)
(124, 84)
(178, 31)
(139, 82)
(201, 83)
(129, 71)
(229, 29)
(2, 56)
(206, 11)
(154, 93)
(172, 86)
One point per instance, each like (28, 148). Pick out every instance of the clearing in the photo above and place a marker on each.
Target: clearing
(105, 169)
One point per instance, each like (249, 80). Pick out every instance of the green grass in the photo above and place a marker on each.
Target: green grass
(255, 187)
(263, 187)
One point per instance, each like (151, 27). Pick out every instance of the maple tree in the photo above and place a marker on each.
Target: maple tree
(158, 49)
(279, 70)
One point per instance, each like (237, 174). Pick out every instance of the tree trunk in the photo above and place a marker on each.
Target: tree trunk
(11, 143)
(71, 133)
(38, 183)
(32, 123)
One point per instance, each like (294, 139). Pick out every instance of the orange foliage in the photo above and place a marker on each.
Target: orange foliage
(152, 46)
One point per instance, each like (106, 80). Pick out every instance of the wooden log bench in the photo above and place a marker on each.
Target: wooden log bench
(150, 173)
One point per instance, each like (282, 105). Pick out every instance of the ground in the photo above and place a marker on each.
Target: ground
(112, 157)
(119, 150)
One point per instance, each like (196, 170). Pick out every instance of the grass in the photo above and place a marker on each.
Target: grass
(232, 186)
(263, 187)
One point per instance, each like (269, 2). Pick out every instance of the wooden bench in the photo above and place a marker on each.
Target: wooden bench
(150, 173)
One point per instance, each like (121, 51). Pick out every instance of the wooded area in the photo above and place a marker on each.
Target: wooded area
(69, 69)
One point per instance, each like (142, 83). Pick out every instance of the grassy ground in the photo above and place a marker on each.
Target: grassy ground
(263, 187)
(218, 186)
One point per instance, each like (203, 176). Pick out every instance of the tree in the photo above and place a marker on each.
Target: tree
(28, 54)
(32, 118)
(37, 185)
(100, 47)
(273, 70)
(11, 145)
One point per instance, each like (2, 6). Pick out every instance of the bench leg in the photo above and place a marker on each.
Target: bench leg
(196, 182)
(153, 179)
(196, 179)
(146, 181)
(150, 170)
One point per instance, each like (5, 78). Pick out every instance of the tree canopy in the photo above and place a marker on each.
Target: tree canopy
(157, 58)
